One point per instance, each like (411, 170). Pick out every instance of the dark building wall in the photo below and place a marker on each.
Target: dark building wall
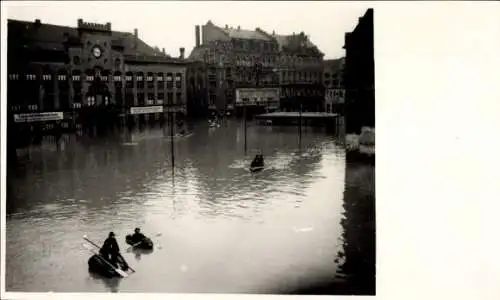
(360, 75)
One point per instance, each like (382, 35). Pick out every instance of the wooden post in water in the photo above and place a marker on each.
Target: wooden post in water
(172, 138)
(245, 125)
(300, 121)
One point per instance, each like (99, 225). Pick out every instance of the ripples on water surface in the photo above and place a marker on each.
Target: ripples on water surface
(217, 227)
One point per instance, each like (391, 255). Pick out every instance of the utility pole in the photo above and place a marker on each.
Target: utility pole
(171, 134)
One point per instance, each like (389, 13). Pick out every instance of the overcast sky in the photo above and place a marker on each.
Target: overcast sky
(170, 25)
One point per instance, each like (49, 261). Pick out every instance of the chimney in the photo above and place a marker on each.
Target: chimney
(80, 22)
(239, 27)
(38, 23)
(181, 50)
(197, 34)
(227, 27)
(163, 50)
(136, 37)
(274, 33)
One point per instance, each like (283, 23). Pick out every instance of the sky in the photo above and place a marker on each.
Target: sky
(170, 24)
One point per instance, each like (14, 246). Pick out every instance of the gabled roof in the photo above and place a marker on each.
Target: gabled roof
(334, 65)
(239, 33)
(236, 33)
(52, 37)
(296, 41)
(198, 53)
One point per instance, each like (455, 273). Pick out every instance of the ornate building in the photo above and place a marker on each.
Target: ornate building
(334, 85)
(301, 72)
(88, 73)
(230, 59)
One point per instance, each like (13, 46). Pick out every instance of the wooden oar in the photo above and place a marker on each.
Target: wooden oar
(117, 270)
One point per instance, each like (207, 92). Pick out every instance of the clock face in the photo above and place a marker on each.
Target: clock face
(96, 51)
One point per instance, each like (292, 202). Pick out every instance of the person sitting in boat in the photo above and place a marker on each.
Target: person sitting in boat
(258, 161)
(137, 236)
(110, 249)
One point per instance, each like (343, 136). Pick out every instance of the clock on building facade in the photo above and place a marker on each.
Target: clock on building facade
(96, 51)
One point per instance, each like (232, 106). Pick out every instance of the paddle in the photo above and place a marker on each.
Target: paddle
(132, 246)
(117, 270)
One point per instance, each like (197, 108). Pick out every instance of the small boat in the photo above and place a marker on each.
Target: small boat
(256, 169)
(98, 264)
(146, 244)
(101, 265)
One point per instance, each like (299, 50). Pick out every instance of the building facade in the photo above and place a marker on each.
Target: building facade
(86, 74)
(231, 58)
(333, 76)
(301, 73)
(360, 75)
(258, 99)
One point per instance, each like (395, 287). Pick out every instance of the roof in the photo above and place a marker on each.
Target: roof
(52, 37)
(198, 53)
(236, 33)
(292, 40)
(334, 64)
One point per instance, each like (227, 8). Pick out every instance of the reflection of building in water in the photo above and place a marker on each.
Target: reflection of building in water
(358, 256)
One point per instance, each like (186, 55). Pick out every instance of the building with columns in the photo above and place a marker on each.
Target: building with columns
(88, 72)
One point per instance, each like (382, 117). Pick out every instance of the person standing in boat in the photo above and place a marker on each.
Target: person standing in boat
(110, 249)
(138, 236)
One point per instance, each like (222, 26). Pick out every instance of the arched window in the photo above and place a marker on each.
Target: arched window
(129, 82)
(63, 86)
(150, 80)
(140, 80)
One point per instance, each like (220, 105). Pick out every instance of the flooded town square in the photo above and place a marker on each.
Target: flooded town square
(216, 154)
(217, 227)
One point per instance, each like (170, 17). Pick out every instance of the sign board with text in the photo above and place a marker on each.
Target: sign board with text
(38, 117)
(146, 110)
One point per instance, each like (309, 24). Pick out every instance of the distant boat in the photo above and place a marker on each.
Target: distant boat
(256, 169)
(214, 124)
(146, 244)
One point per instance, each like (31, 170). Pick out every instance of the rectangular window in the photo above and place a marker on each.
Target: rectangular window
(170, 98)
(178, 98)
(161, 97)
(170, 83)
(140, 82)
(117, 78)
(129, 99)
(178, 80)
(151, 99)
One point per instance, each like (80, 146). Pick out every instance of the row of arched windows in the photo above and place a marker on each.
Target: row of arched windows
(89, 75)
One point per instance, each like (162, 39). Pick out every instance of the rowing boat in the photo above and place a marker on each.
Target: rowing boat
(146, 244)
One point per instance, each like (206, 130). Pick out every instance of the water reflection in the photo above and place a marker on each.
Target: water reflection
(220, 223)
(358, 256)
(111, 284)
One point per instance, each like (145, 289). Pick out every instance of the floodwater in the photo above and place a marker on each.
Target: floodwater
(216, 226)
